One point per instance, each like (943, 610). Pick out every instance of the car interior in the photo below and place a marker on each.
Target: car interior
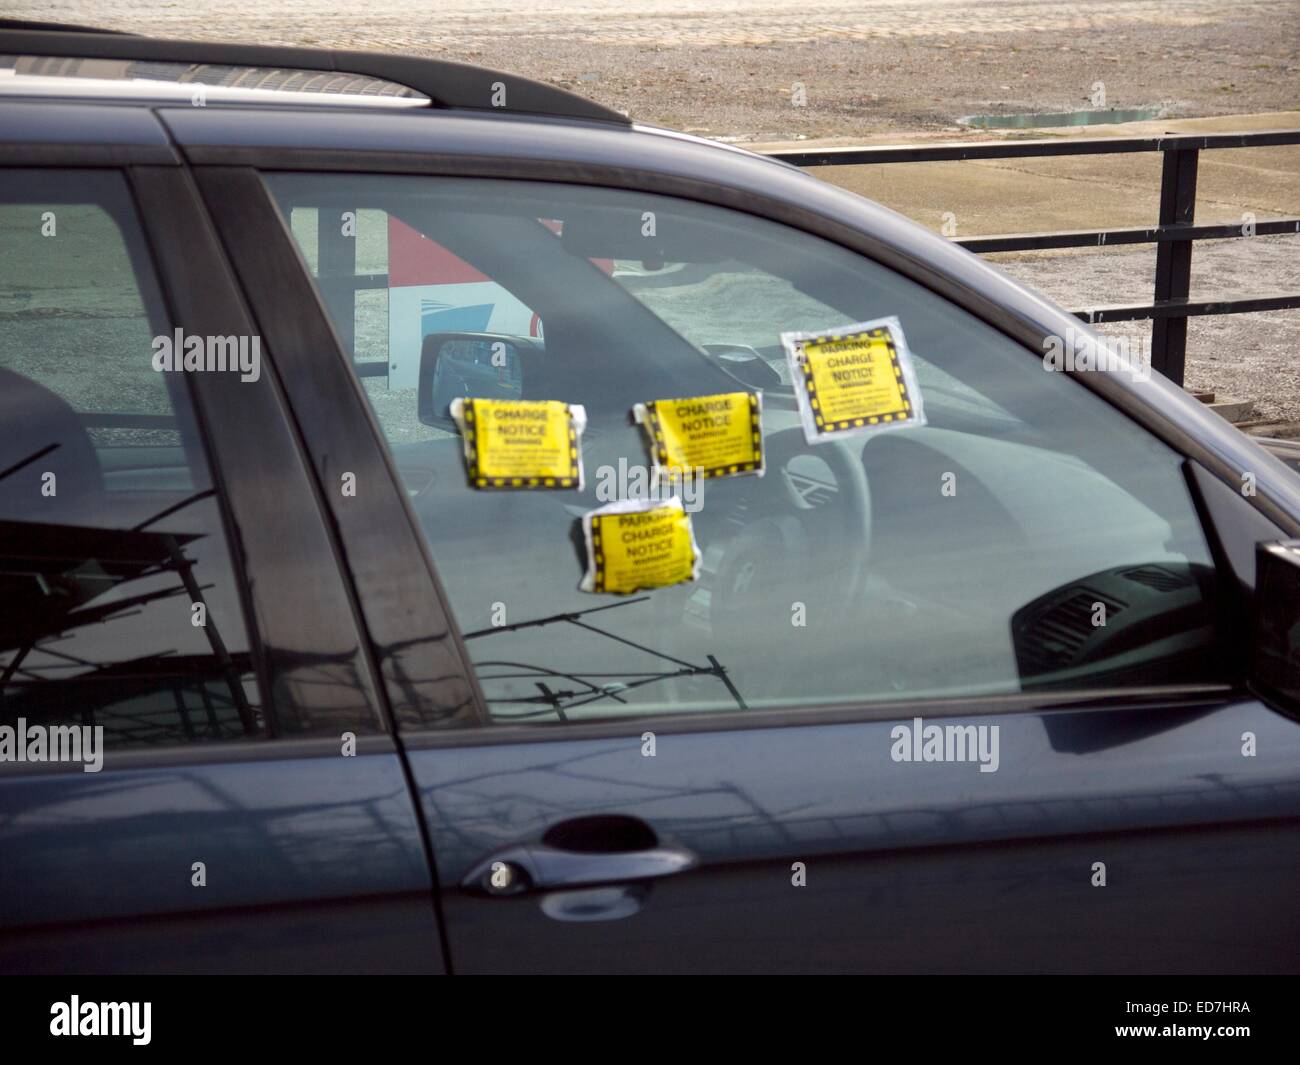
(842, 574)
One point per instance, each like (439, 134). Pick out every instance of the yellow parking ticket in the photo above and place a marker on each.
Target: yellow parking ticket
(856, 378)
(515, 443)
(637, 544)
(708, 436)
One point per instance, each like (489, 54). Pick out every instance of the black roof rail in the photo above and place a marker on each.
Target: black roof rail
(446, 84)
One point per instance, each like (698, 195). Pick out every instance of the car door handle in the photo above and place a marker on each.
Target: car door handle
(542, 867)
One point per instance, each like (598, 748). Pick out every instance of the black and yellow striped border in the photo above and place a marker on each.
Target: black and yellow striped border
(479, 480)
(905, 413)
(756, 439)
(598, 552)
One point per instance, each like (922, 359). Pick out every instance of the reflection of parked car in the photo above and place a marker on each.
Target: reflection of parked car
(925, 682)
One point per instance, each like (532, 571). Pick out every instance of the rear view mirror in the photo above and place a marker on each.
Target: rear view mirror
(471, 365)
(1275, 653)
(621, 233)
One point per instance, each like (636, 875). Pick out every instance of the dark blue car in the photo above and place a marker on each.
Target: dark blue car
(1009, 687)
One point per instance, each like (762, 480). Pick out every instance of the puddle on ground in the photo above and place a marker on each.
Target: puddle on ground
(1060, 118)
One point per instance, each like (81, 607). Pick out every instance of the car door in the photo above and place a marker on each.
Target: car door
(961, 696)
(197, 772)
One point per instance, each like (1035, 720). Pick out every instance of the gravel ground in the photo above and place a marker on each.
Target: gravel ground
(1242, 356)
(728, 67)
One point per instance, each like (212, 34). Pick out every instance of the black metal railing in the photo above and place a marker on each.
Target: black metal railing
(1174, 234)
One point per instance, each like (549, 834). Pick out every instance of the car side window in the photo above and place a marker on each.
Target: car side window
(1028, 537)
(118, 602)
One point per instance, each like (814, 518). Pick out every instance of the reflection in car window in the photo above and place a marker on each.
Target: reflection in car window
(111, 542)
(731, 304)
(1028, 537)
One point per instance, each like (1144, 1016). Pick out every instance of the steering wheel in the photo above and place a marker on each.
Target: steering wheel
(773, 557)
(817, 548)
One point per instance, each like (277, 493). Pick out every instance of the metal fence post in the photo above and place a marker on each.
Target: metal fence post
(1174, 261)
(1172, 304)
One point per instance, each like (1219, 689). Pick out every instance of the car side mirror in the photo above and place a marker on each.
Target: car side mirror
(1275, 650)
(470, 365)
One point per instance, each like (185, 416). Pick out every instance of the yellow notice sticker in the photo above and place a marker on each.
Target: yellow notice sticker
(515, 443)
(715, 435)
(637, 544)
(854, 379)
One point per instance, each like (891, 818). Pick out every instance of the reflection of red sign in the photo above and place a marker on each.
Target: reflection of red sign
(414, 259)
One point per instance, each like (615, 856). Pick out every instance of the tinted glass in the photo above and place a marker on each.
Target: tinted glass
(1028, 537)
(118, 604)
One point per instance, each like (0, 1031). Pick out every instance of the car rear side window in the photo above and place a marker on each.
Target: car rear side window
(1026, 537)
(118, 602)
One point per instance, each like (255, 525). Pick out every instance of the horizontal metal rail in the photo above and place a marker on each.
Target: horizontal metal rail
(1104, 238)
(1173, 235)
(955, 152)
(1186, 308)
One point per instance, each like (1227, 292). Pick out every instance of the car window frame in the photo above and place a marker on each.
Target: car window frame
(223, 182)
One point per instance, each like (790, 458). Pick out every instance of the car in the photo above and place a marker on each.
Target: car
(1288, 451)
(950, 661)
